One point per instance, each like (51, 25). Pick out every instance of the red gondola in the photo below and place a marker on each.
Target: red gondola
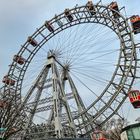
(135, 21)
(32, 41)
(20, 60)
(134, 97)
(68, 15)
(114, 6)
(99, 135)
(91, 8)
(49, 26)
(8, 81)
(3, 104)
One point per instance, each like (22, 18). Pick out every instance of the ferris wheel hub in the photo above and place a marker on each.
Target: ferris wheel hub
(51, 54)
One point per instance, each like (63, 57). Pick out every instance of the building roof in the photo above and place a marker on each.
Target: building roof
(131, 126)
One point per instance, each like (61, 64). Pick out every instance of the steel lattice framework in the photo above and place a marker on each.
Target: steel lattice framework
(19, 113)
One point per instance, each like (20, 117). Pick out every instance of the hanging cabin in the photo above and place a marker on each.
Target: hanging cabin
(114, 6)
(135, 22)
(68, 15)
(8, 81)
(20, 60)
(32, 41)
(49, 26)
(134, 97)
(90, 7)
(3, 104)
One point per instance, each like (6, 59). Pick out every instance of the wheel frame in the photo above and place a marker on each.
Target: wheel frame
(127, 62)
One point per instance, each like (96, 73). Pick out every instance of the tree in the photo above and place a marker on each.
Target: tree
(113, 128)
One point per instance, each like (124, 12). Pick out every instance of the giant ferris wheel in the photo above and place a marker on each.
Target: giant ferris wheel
(72, 74)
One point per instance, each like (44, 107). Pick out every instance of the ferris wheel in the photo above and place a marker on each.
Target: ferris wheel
(72, 74)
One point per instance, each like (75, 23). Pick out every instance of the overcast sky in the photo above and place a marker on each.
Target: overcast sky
(20, 18)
